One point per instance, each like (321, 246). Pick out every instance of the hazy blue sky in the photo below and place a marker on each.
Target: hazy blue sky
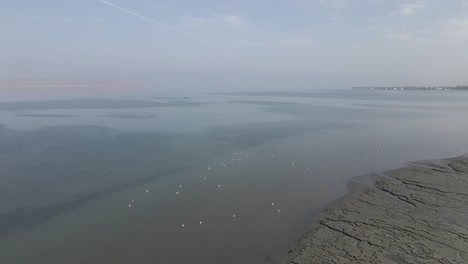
(242, 44)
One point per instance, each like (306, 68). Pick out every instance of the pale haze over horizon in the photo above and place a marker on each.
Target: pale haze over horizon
(234, 45)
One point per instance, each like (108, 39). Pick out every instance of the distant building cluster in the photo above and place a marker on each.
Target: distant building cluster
(417, 88)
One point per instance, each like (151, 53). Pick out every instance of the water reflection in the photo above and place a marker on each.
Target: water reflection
(221, 194)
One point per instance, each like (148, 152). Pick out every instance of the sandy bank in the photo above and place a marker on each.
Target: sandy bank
(415, 214)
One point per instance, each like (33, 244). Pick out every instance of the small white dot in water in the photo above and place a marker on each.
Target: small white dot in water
(219, 186)
(278, 210)
(209, 168)
(147, 191)
(132, 201)
(204, 178)
(272, 156)
(224, 165)
(129, 205)
(177, 193)
(182, 225)
(272, 204)
(235, 153)
(233, 216)
(201, 222)
(180, 186)
(292, 163)
(199, 176)
(239, 159)
(308, 168)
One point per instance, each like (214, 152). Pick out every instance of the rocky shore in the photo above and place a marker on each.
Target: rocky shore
(415, 214)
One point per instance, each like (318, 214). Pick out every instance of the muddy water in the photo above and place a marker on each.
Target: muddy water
(237, 187)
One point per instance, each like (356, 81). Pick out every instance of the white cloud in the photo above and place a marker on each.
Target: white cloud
(143, 17)
(66, 19)
(335, 4)
(196, 21)
(455, 30)
(249, 43)
(407, 9)
(297, 42)
(233, 20)
(451, 32)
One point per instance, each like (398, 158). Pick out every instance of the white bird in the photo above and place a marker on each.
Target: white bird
(272, 204)
(209, 168)
(182, 225)
(129, 205)
(180, 186)
(177, 193)
(219, 186)
(147, 191)
(204, 178)
(292, 163)
(200, 222)
(278, 210)
(132, 201)
(234, 216)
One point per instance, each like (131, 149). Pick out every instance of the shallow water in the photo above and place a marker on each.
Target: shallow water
(69, 172)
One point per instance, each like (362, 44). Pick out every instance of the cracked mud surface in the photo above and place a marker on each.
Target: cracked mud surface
(415, 214)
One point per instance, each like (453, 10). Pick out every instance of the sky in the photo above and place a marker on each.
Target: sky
(235, 44)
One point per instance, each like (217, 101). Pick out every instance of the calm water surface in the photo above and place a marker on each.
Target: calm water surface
(200, 178)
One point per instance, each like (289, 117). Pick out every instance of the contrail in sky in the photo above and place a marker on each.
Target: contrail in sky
(145, 18)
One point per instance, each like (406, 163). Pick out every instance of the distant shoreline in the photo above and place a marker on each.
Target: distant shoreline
(412, 88)
(413, 214)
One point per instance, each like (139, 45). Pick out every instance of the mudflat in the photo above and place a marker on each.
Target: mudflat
(414, 214)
